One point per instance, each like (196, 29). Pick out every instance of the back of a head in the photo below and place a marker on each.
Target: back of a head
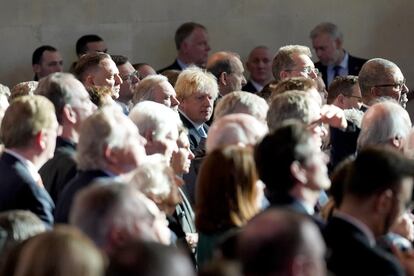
(241, 102)
(23, 89)
(25, 118)
(81, 44)
(377, 169)
(195, 80)
(273, 240)
(384, 123)
(290, 105)
(277, 151)
(17, 226)
(220, 62)
(235, 129)
(149, 259)
(108, 126)
(73, 254)
(105, 205)
(185, 31)
(119, 59)
(283, 58)
(296, 83)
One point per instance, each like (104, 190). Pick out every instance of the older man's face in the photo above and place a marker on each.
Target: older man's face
(327, 49)
(108, 76)
(393, 86)
(198, 107)
(303, 67)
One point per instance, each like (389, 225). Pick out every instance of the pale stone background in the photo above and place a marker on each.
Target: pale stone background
(143, 30)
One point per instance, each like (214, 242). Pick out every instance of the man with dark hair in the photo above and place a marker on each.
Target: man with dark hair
(98, 69)
(344, 92)
(228, 69)
(280, 242)
(293, 167)
(130, 79)
(46, 60)
(73, 106)
(191, 41)
(378, 189)
(89, 44)
(327, 41)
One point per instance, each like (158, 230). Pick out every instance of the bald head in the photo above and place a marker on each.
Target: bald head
(376, 79)
(235, 129)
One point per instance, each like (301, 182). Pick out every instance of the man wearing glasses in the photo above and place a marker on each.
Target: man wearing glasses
(293, 61)
(130, 79)
(380, 78)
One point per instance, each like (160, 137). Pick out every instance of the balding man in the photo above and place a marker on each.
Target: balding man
(191, 41)
(228, 69)
(259, 65)
(293, 61)
(327, 41)
(382, 78)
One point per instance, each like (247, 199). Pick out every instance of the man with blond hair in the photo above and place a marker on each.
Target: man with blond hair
(196, 91)
(28, 131)
(156, 88)
(293, 61)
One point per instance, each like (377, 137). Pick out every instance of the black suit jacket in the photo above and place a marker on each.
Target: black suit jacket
(195, 139)
(349, 252)
(20, 191)
(354, 66)
(65, 198)
(59, 170)
(249, 87)
(173, 66)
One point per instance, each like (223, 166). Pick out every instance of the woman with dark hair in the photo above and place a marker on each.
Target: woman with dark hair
(226, 197)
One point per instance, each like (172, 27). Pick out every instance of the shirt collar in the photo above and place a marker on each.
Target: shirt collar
(182, 64)
(257, 85)
(27, 163)
(197, 126)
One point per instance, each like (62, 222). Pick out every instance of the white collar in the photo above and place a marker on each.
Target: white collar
(27, 163)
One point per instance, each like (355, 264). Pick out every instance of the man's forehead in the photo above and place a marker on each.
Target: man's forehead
(51, 55)
(109, 65)
(301, 60)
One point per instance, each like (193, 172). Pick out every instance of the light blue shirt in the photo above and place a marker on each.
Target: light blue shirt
(343, 71)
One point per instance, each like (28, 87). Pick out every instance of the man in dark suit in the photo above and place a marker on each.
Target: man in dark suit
(73, 106)
(378, 189)
(28, 131)
(259, 65)
(327, 41)
(109, 145)
(293, 167)
(191, 41)
(196, 90)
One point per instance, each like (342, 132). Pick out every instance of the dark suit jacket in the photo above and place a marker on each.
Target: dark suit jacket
(65, 198)
(354, 66)
(20, 191)
(193, 135)
(59, 170)
(249, 87)
(173, 66)
(349, 252)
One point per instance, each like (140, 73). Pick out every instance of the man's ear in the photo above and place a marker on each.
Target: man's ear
(223, 78)
(283, 74)
(36, 68)
(89, 80)
(375, 92)
(298, 172)
(384, 201)
(40, 139)
(338, 43)
(69, 114)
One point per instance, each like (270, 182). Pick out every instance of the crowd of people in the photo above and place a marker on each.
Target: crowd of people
(115, 168)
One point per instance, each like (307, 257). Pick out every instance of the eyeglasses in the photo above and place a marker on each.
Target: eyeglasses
(398, 85)
(306, 70)
(132, 78)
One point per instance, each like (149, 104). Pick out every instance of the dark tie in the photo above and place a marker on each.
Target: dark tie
(336, 71)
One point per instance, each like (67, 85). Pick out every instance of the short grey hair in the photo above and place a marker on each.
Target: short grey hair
(108, 126)
(383, 121)
(107, 204)
(241, 102)
(154, 117)
(326, 28)
(144, 91)
(292, 104)
(283, 58)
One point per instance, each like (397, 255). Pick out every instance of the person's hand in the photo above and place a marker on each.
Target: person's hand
(334, 116)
